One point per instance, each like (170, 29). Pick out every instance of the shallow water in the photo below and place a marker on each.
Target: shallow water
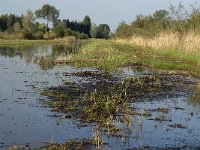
(24, 121)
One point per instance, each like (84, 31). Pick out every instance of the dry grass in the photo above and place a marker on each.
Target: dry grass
(189, 43)
(10, 36)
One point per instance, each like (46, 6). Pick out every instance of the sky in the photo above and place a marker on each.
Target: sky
(111, 12)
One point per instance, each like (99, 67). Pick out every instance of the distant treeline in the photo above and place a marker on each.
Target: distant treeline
(26, 26)
(175, 19)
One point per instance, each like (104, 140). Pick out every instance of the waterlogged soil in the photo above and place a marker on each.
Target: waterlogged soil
(159, 114)
(138, 88)
(42, 103)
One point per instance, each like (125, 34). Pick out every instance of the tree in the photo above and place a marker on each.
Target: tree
(178, 12)
(86, 25)
(49, 13)
(161, 14)
(17, 27)
(123, 30)
(66, 23)
(59, 30)
(103, 31)
(93, 30)
(10, 21)
(28, 21)
(3, 23)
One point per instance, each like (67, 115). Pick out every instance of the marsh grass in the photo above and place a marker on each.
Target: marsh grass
(169, 51)
(101, 106)
(187, 42)
(104, 54)
(95, 107)
(172, 59)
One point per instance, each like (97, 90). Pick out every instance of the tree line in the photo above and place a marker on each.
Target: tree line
(174, 19)
(28, 26)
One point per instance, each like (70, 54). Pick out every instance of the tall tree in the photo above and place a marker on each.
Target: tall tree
(28, 21)
(3, 23)
(161, 14)
(123, 30)
(93, 30)
(49, 13)
(17, 27)
(86, 25)
(10, 21)
(103, 31)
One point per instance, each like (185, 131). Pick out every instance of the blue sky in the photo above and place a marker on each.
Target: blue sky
(111, 12)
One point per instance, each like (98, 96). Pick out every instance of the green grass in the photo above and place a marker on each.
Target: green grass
(171, 59)
(104, 54)
(109, 55)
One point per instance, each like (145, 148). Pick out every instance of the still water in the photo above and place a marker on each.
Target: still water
(24, 121)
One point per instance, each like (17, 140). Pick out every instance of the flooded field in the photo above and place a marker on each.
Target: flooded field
(43, 101)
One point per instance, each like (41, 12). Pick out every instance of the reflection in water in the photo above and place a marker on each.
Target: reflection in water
(195, 99)
(22, 120)
(46, 56)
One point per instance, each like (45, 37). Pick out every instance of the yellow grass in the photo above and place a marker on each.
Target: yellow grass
(10, 36)
(189, 43)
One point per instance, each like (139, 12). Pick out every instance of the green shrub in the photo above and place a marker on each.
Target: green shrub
(27, 35)
(80, 35)
(68, 32)
(49, 36)
(39, 36)
(59, 30)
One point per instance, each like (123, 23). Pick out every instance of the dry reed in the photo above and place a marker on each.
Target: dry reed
(189, 42)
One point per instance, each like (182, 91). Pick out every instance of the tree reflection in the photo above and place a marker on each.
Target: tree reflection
(195, 98)
(46, 55)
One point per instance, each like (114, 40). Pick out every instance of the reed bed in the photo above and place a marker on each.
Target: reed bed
(188, 42)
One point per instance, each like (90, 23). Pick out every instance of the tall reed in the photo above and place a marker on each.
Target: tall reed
(187, 42)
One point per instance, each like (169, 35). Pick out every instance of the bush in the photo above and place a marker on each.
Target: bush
(39, 36)
(68, 32)
(80, 35)
(59, 30)
(27, 35)
(49, 36)
(8, 35)
(123, 31)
